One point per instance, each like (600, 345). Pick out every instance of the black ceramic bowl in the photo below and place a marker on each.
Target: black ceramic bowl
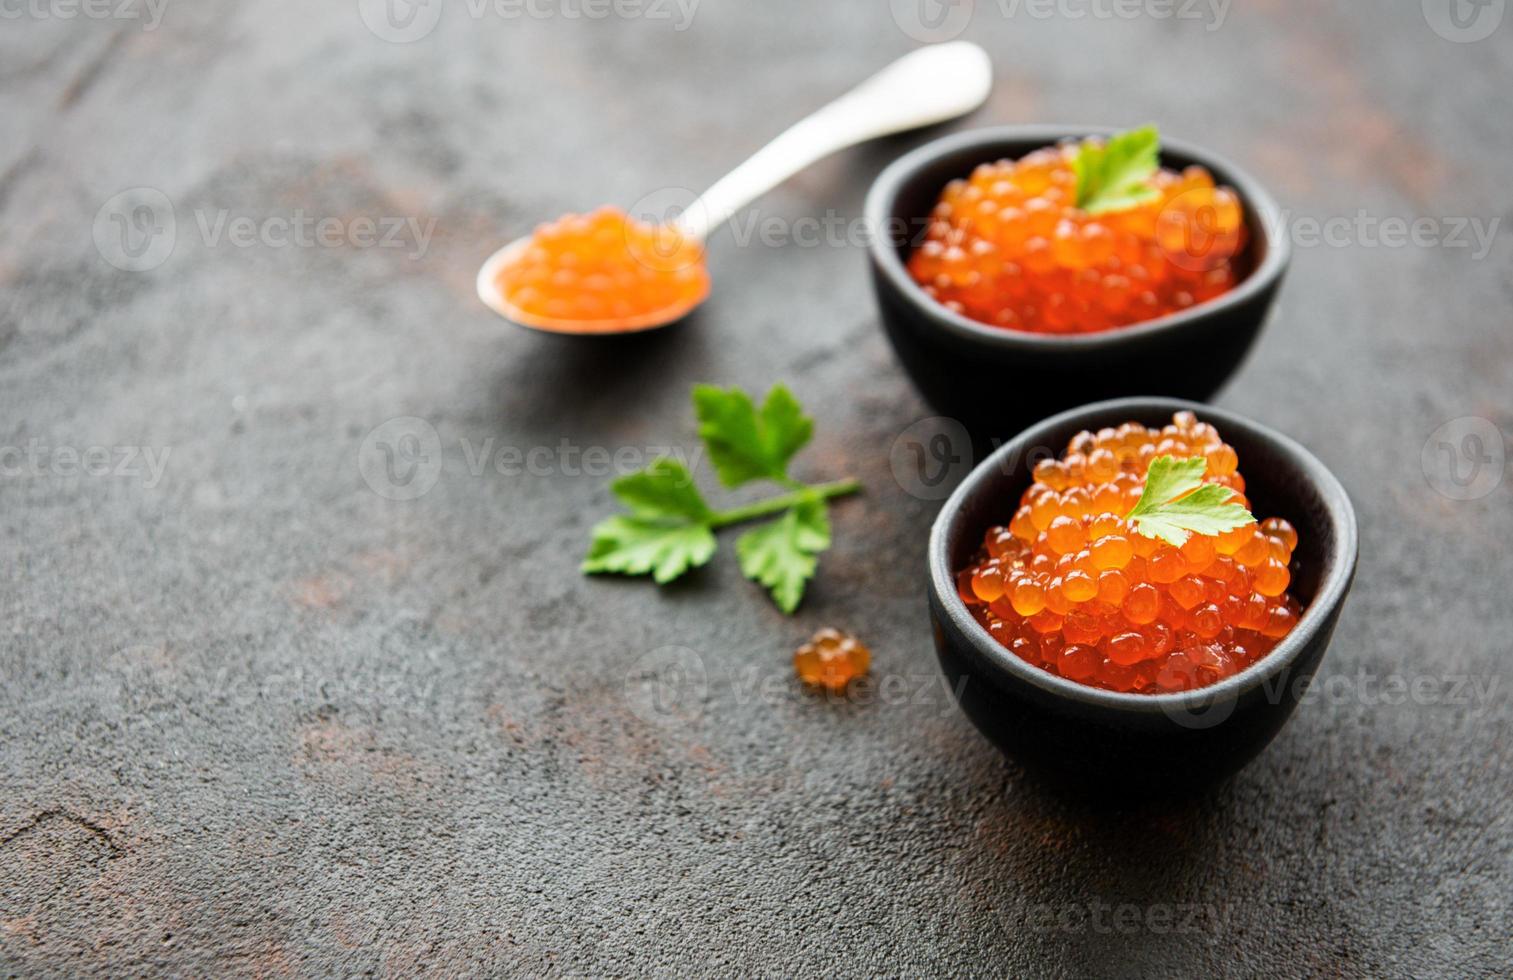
(995, 380)
(1096, 739)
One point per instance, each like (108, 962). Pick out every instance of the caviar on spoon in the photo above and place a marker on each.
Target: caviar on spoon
(609, 273)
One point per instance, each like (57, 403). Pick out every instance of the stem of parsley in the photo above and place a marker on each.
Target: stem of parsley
(776, 505)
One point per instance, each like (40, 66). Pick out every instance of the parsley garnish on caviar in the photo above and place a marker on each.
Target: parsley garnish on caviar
(1116, 175)
(1176, 503)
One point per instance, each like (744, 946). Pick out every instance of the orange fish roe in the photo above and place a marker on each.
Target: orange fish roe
(831, 660)
(1007, 247)
(604, 272)
(1071, 587)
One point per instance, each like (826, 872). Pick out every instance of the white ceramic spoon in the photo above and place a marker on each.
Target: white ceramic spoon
(924, 87)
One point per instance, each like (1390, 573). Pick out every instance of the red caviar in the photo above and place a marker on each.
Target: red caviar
(831, 660)
(1006, 246)
(1071, 587)
(604, 272)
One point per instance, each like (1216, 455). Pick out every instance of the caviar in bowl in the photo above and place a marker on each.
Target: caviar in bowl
(995, 379)
(1097, 738)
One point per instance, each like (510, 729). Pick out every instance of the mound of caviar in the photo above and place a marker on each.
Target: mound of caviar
(1009, 247)
(831, 660)
(603, 272)
(1071, 587)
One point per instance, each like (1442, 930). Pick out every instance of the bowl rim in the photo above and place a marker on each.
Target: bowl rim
(885, 257)
(1338, 573)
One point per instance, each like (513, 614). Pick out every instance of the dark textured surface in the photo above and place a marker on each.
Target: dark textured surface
(258, 719)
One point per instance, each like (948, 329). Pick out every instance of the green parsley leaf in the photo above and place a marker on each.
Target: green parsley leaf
(670, 528)
(663, 489)
(1177, 503)
(782, 554)
(1116, 176)
(746, 445)
(638, 545)
(1168, 478)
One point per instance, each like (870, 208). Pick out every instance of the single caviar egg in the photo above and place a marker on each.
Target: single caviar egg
(1078, 591)
(1008, 246)
(603, 272)
(831, 660)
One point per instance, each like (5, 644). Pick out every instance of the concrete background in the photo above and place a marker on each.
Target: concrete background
(259, 719)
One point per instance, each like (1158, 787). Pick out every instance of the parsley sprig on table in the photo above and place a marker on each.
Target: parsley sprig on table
(670, 528)
(1176, 503)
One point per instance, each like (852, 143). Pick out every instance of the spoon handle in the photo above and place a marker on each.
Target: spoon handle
(922, 88)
